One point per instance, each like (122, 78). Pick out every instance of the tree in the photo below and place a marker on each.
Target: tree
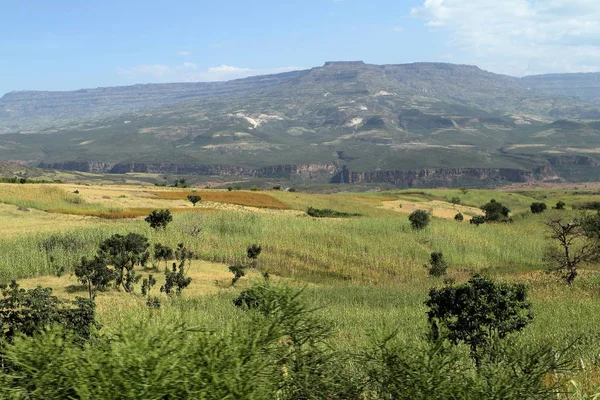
(159, 219)
(478, 312)
(95, 274)
(571, 248)
(495, 212)
(459, 217)
(560, 205)
(124, 253)
(419, 219)
(162, 252)
(437, 265)
(537, 208)
(194, 199)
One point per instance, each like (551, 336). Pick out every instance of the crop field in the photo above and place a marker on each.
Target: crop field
(364, 275)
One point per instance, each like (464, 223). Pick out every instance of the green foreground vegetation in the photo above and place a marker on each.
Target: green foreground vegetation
(357, 330)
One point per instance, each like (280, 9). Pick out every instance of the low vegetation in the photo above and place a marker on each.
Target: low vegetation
(329, 213)
(339, 308)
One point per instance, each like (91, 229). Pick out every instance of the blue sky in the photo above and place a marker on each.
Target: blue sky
(65, 45)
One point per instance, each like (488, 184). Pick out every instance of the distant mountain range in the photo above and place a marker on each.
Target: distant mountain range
(410, 124)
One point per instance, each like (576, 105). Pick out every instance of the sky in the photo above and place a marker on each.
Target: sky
(68, 45)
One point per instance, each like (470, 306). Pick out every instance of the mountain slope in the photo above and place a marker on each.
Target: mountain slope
(334, 122)
(585, 86)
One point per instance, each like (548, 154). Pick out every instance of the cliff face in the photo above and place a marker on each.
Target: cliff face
(323, 171)
(306, 171)
(440, 176)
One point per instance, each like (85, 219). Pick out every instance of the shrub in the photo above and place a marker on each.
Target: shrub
(537, 208)
(560, 205)
(459, 217)
(27, 312)
(419, 219)
(159, 219)
(162, 252)
(194, 199)
(437, 266)
(477, 220)
(478, 312)
(495, 212)
(455, 200)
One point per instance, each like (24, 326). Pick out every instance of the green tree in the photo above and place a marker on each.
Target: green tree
(159, 219)
(95, 274)
(176, 279)
(477, 220)
(560, 205)
(478, 312)
(194, 199)
(162, 252)
(419, 219)
(537, 208)
(124, 253)
(459, 217)
(495, 212)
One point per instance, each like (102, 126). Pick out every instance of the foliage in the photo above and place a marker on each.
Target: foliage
(437, 265)
(459, 217)
(478, 312)
(159, 219)
(95, 274)
(162, 252)
(560, 205)
(571, 247)
(477, 220)
(124, 253)
(194, 199)
(147, 285)
(537, 208)
(589, 205)
(495, 212)
(419, 219)
(238, 271)
(455, 200)
(329, 213)
(176, 279)
(28, 311)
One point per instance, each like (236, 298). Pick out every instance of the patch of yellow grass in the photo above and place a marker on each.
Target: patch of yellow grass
(243, 198)
(437, 208)
(14, 222)
(127, 213)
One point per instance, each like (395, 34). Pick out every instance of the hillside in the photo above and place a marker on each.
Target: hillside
(413, 124)
(585, 86)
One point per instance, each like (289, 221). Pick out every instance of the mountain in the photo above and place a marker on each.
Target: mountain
(584, 86)
(410, 124)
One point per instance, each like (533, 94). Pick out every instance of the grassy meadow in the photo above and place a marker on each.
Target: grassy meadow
(364, 274)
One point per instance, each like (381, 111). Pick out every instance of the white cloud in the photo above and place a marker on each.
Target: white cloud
(184, 53)
(519, 37)
(188, 72)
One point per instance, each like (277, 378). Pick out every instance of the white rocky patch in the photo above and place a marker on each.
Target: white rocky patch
(354, 122)
(257, 119)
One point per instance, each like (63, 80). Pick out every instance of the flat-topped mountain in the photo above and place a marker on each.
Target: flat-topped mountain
(334, 122)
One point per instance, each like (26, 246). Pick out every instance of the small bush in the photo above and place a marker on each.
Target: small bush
(560, 205)
(477, 220)
(537, 208)
(459, 217)
(437, 266)
(159, 219)
(419, 219)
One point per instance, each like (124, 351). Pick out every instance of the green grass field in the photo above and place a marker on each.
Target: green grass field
(365, 272)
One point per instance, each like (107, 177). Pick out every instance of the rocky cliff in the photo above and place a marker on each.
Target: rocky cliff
(324, 171)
